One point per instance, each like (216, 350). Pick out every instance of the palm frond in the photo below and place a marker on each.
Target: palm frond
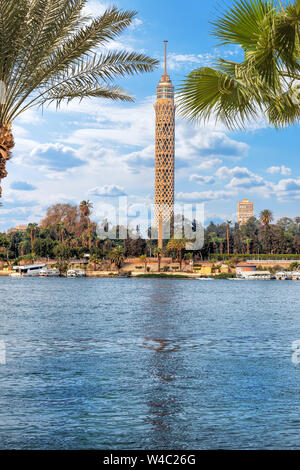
(270, 37)
(242, 24)
(12, 31)
(60, 49)
(69, 92)
(207, 91)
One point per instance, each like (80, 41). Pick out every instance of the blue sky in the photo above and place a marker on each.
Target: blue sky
(98, 150)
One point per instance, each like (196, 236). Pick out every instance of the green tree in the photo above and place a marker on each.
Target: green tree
(177, 245)
(221, 244)
(267, 80)
(31, 229)
(266, 217)
(228, 223)
(62, 255)
(117, 257)
(48, 53)
(144, 260)
(247, 242)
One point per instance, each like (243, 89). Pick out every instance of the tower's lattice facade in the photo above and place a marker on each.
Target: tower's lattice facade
(164, 153)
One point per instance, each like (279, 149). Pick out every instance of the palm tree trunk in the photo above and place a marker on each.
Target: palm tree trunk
(6, 144)
(228, 248)
(31, 240)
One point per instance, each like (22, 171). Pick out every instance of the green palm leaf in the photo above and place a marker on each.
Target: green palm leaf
(50, 52)
(266, 81)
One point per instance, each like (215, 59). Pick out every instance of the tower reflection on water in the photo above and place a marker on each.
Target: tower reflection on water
(164, 367)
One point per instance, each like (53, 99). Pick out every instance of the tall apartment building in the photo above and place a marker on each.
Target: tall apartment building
(245, 211)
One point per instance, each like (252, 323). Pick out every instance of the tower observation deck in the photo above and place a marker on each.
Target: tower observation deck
(164, 154)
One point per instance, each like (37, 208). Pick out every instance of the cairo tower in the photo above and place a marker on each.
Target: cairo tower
(164, 154)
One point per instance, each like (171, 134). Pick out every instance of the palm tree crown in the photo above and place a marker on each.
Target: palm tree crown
(85, 208)
(266, 217)
(48, 53)
(267, 80)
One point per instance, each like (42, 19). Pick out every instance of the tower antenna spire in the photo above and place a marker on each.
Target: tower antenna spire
(166, 42)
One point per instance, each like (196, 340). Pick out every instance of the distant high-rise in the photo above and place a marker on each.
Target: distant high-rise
(245, 211)
(164, 153)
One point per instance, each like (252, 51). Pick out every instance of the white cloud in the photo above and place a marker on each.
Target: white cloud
(202, 179)
(176, 60)
(287, 189)
(283, 170)
(241, 177)
(205, 196)
(111, 190)
(209, 164)
(237, 172)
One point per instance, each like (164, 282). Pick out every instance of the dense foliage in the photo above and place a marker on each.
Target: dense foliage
(265, 82)
(67, 231)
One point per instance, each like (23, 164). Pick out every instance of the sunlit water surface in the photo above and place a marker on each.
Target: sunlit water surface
(149, 364)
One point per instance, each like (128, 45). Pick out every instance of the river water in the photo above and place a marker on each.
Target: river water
(149, 364)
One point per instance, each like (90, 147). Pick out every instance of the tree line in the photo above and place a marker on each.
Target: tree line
(67, 231)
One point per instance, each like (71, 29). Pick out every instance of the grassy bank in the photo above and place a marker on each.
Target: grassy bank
(162, 275)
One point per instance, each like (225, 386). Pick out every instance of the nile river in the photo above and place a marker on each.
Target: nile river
(149, 364)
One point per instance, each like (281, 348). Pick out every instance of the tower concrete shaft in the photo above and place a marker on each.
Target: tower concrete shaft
(164, 155)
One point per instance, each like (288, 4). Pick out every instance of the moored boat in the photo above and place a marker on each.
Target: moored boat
(47, 272)
(30, 270)
(76, 273)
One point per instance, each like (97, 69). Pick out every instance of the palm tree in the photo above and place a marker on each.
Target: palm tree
(214, 240)
(23, 244)
(247, 242)
(85, 208)
(221, 244)
(266, 217)
(227, 235)
(90, 226)
(144, 260)
(117, 257)
(32, 229)
(267, 80)
(158, 253)
(48, 55)
(61, 231)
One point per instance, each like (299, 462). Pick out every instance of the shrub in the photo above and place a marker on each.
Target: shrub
(162, 275)
(294, 266)
(241, 256)
(225, 276)
(166, 269)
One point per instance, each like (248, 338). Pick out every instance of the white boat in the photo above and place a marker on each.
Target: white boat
(80, 272)
(284, 276)
(71, 273)
(204, 278)
(76, 273)
(30, 270)
(47, 272)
